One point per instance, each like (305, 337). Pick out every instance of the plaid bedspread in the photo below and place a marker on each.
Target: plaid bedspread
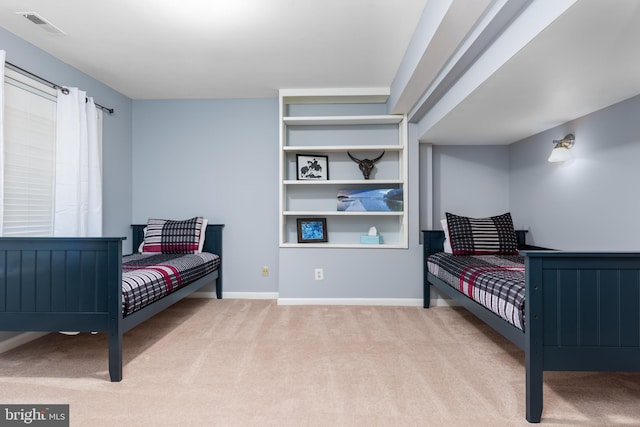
(494, 281)
(148, 277)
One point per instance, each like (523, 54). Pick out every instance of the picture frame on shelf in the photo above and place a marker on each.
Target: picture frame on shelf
(371, 200)
(312, 167)
(312, 230)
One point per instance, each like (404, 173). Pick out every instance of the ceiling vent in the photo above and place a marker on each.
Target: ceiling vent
(41, 22)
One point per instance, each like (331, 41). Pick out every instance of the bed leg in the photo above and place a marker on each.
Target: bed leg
(426, 294)
(534, 349)
(115, 356)
(219, 288)
(426, 287)
(534, 389)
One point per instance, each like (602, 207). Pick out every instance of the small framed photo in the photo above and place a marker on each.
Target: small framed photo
(312, 230)
(312, 167)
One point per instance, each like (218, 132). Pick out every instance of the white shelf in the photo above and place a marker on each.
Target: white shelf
(377, 182)
(335, 95)
(341, 245)
(342, 120)
(318, 122)
(335, 148)
(342, 213)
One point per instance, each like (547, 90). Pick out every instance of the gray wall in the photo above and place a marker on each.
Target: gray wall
(587, 203)
(116, 130)
(590, 202)
(467, 180)
(218, 159)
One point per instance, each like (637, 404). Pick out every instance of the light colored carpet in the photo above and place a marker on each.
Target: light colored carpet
(252, 362)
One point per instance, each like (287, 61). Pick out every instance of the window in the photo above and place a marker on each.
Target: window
(28, 173)
(29, 156)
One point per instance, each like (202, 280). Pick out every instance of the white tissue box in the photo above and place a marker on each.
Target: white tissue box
(371, 240)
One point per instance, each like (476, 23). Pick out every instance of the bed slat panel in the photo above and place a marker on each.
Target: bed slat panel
(630, 308)
(43, 281)
(90, 282)
(28, 281)
(58, 263)
(568, 326)
(592, 306)
(12, 283)
(72, 290)
(588, 315)
(3, 282)
(608, 303)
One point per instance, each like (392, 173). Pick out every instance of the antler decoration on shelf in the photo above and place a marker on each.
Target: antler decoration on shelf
(366, 165)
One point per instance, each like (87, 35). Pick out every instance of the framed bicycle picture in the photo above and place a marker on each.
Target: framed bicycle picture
(312, 230)
(312, 167)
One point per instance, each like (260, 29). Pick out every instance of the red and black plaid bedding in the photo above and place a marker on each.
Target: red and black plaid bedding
(494, 281)
(147, 277)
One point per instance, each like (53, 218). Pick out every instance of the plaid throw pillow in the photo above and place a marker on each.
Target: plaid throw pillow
(172, 237)
(482, 236)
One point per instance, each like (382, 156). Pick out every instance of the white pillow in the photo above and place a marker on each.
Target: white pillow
(447, 240)
(200, 242)
(205, 221)
(144, 233)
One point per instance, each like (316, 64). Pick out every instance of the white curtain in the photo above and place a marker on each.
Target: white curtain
(2, 59)
(78, 188)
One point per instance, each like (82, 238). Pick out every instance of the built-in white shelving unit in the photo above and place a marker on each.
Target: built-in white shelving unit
(333, 123)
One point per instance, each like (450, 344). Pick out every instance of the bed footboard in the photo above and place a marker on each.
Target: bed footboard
(63, 284)
(50, 284)
(583, 314)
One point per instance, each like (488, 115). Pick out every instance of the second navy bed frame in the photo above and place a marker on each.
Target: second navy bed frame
(582, 312)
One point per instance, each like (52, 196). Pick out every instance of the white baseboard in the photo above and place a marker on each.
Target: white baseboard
(236, 295)
(18, 340)
(442, 302)
(408, 302)
(405, 302)
(250, 295)
(437, 300)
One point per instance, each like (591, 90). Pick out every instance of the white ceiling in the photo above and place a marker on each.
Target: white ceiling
(587, 59)
(159, 49)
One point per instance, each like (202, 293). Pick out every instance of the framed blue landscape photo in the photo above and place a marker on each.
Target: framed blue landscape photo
(312, 230)
(371, 200)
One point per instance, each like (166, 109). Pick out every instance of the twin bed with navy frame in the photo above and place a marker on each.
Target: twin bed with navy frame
(581, 312)
(76, 284)
(581, 309)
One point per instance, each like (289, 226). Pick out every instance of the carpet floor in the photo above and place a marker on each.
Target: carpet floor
(253, 363)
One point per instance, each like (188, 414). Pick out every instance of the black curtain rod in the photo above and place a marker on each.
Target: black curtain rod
(45, 81)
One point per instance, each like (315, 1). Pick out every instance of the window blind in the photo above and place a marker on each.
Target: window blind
(29, 157)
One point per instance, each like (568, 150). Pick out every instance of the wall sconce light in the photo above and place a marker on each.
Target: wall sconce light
(560, 151)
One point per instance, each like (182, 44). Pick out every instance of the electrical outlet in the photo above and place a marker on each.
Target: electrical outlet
(265, 270)
(319, 274)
